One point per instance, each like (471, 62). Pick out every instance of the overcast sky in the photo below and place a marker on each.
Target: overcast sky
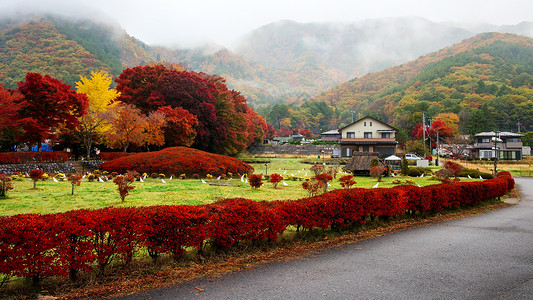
(189, 22)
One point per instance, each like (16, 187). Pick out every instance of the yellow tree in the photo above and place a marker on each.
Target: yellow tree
(451, 120)
(96, 122)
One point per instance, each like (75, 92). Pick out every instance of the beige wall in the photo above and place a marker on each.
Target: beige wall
(372, 125)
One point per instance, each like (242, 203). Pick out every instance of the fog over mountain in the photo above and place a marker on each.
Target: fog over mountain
(283, 60)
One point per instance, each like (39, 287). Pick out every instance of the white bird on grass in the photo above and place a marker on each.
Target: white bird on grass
(203, 181)
(242, 178)
(100, 179)
(376, 185)
(480, 177)
(284, 183)
(55, 180)
(163, 180)
(141, 179)
(469, 177)
(218, 178)
(422, 175)
(170, 178)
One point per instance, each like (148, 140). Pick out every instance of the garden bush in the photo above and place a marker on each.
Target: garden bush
(178, 160)
(36, 246)
(417, 171)
(33, 156)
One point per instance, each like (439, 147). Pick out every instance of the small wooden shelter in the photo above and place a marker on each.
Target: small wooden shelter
(359, 164)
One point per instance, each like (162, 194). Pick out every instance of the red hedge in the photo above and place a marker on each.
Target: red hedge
(33, 156)
(112, 155)
(61, 244)
(177, 160)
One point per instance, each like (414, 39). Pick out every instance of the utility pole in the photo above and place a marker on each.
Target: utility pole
(437, 160)
(424, 131)
(495, 153)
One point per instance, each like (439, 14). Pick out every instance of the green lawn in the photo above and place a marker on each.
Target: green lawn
(51, 197)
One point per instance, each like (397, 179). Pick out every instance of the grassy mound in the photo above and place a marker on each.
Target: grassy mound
(178, 160)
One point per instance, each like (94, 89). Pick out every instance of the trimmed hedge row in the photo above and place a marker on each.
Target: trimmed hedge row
(33, 156)
(62, 244)
(177, 160)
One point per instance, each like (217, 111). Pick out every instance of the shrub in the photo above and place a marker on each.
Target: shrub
(347, 181)
(454, 168)
(313, 187)
(112, 155)
(405, 167)
(324, 178)
(255, 180)
(154, 175)
(91, 177)
(36, 175)
(377, 172)
(123, 182)
(417, 171)
(5, 185)
(178, 160)
(275, 179)
(75, 180)
(317, 169)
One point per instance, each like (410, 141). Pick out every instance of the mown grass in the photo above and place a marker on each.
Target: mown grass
(53, 197)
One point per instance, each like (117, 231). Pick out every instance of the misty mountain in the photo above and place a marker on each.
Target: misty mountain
(284, 61)
(483, 82)
(65, 48)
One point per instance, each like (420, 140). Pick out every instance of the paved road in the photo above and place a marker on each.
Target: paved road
(487, 256)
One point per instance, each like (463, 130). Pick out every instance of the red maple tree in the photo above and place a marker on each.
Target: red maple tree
(49, 104)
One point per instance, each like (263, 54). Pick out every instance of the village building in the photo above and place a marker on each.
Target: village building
(509, 145)
(368, 135)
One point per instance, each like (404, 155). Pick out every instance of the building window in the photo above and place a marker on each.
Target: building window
(350, 135)
(364, 123)
(483, 140)
(513, 140)
(385, 135)
(368, 135)
(486, 154)
(370, 123)
(366, 148)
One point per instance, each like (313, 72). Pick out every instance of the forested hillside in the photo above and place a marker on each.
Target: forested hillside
(486, 81)
(64, 49)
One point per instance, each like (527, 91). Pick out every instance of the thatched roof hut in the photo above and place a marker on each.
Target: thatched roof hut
(360, 162)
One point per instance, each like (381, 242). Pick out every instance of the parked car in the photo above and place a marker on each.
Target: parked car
(412, 157)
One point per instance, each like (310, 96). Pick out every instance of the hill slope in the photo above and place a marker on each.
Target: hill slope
(486, 80)
(64, 49)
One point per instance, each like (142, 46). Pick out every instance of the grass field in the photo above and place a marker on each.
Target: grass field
(52, 197)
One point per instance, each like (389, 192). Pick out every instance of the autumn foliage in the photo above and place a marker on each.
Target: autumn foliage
(48, 103)
(83, 240)
(275, 179)
(347, 181)
(124, 186)
(177, 160)
(255, 180)
(5, 185)
(222, 123)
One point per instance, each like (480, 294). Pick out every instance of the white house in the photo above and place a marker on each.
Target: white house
(368, 135)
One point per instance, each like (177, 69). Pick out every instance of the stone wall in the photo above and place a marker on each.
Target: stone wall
(46, 167)
(293, 150)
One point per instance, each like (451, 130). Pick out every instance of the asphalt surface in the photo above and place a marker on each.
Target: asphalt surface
(486, 256)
